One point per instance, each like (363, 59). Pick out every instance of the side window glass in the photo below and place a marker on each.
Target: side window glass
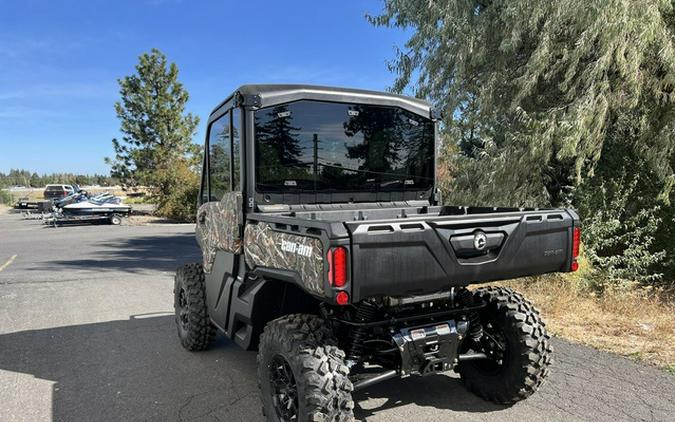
(219, 157)
(236, 148)
(205, 187)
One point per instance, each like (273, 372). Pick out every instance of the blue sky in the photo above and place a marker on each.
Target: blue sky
(60, 61)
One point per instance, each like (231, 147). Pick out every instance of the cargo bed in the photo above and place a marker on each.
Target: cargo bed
(409, 250)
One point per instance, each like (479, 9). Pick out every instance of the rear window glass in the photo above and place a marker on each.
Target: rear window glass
(320, 146)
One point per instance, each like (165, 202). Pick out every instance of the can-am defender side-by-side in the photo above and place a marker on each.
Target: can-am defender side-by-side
(326, 248)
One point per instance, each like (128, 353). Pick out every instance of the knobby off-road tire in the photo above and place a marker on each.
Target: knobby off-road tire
(528, 350)
(305, 347)
(195, 330)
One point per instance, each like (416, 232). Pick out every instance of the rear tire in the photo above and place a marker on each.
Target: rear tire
(115, 220)
(195, 329)
(301, 372)
(527, 355)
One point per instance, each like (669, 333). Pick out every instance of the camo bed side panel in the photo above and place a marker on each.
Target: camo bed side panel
(220, 227)
(265, 247)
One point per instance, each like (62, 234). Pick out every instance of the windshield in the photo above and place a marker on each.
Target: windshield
(321, 146)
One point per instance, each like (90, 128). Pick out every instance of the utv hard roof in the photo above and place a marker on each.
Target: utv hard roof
(267, 95)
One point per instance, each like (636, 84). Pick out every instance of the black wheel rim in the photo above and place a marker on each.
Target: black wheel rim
(182, 308)
(284, 389)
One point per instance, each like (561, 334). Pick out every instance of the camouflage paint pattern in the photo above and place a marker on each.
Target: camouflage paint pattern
(265, 247)
(218, 226)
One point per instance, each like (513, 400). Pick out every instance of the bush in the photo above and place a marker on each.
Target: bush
(6, 198)
(618, 233)
(177, 192)
(181, 204)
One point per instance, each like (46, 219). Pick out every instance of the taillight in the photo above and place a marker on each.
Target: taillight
(337, 266)
(576, 240)
(342, 298)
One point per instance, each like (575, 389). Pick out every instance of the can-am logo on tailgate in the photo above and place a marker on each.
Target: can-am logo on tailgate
(296, 248)
(479, 241)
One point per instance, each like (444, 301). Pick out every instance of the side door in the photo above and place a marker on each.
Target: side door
(220, 217)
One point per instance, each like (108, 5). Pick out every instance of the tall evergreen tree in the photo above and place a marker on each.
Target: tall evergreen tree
(156, 130)
(156, 149)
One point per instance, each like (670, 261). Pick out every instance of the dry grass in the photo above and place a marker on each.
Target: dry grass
(637, 324)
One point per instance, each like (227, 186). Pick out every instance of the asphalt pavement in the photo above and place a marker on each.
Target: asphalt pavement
(87, 334)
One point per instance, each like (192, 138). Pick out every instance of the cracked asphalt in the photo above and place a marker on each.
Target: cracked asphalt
(87, 334)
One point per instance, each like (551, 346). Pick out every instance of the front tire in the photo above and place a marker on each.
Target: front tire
(515, 338)
(195, 329)
(301, 372)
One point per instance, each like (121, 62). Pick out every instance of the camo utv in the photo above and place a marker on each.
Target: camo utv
(326, 247)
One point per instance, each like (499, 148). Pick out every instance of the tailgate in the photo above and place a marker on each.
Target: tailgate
(424, 255)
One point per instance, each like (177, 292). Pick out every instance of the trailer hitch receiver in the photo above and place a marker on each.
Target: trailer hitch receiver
(430, 349)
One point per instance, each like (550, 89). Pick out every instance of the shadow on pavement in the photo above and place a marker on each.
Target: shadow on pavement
(136, 370)
(136, 254)
(438, 391)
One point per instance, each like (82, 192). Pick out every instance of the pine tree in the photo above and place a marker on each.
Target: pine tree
(151, 112)
(156, 149)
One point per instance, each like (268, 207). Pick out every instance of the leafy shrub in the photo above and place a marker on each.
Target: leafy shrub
(181, 204)
(6, 197)
(177, 191)
(619, 231)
